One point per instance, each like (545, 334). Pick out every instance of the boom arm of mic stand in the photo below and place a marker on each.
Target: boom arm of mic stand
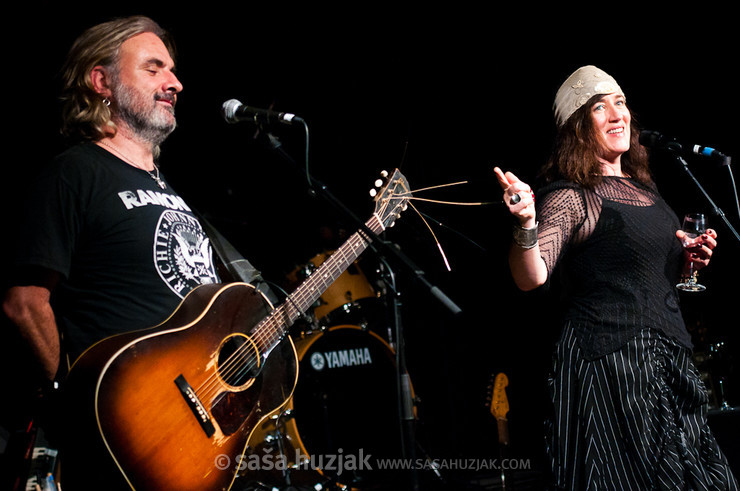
(716, 210)
(375, 242)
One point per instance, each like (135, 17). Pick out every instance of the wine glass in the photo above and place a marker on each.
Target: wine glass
(694, 224)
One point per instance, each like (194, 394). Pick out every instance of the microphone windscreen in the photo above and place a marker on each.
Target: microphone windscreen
(228, 109)
(650, 138)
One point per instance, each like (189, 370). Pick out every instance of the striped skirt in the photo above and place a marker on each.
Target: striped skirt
(632, 419)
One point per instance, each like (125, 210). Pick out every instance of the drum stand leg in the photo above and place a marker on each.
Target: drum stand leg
(278, 436)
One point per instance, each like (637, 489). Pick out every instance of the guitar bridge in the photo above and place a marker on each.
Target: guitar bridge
(199, 410)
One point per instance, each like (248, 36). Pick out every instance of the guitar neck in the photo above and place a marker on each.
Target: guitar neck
(273, 327)
(503, 431)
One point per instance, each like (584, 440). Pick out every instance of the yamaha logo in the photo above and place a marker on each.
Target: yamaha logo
(341, 358)
(317, 361)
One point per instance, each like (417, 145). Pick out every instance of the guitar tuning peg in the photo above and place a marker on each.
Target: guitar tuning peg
(378, 183)
(373, 192)
(384, 173)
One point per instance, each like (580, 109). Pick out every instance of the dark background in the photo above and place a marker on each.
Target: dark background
(445, 94)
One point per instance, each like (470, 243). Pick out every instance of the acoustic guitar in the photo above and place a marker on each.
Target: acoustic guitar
(173, 406)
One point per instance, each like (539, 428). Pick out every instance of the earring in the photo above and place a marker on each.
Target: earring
(106, 101)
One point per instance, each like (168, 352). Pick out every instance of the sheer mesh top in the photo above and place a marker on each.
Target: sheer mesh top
(618, 259)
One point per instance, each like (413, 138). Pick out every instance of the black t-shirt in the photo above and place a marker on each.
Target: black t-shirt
(127, 250)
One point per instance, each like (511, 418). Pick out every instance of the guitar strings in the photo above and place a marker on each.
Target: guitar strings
(410, 195)
(434, 236)
(267, 333)
(263, 331)
(421, 215)
(477, 203)
(237, 365)
(242, 365)
(437, 186)
(332, 270)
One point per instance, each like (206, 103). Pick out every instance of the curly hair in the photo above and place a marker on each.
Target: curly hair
(85, 115)
(574, 155)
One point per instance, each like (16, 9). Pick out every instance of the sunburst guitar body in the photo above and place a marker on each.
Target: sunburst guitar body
(173, 407)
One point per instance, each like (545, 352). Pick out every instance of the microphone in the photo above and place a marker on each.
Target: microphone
(653, 139)
(234, 111)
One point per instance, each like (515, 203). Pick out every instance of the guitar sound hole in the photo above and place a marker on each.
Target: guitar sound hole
(238, 360)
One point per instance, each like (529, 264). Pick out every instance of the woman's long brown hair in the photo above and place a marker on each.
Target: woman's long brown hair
(577, 146)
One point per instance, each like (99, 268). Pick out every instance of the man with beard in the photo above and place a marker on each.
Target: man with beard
(107, 246)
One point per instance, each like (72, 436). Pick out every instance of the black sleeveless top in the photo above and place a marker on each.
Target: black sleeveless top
(619, 260)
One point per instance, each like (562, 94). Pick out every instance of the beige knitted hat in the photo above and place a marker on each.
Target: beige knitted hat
(582, 84)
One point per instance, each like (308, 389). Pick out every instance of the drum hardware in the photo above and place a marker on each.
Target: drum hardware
(322, 404)
(382, 247)
(720, 366)
(323, 421)
(714, 364)
(350, 299)
(273, 443)
(271, 437)
(386, 281)
(345, 403)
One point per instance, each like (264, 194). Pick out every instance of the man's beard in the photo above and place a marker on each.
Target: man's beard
(144, 117)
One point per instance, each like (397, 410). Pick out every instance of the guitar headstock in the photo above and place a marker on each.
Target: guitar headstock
(497, 401)
(391, 197)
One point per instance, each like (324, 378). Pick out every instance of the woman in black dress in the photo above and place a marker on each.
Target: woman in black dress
(629, 406)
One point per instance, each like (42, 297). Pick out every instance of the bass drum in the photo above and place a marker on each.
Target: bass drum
(344, 405)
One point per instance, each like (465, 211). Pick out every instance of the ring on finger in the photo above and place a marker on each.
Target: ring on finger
(515, 199)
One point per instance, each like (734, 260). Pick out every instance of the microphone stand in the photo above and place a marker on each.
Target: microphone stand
(406, 404)
(403, 381)
(715, 209)
(324, 192)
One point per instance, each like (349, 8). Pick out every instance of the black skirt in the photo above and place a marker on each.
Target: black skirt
(632, 419)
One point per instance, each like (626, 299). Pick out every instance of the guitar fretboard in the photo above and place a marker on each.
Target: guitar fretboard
(271, 330)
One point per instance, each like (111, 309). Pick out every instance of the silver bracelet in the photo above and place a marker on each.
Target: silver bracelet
(526, 238)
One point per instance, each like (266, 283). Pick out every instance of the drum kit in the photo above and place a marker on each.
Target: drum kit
(345, 406)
